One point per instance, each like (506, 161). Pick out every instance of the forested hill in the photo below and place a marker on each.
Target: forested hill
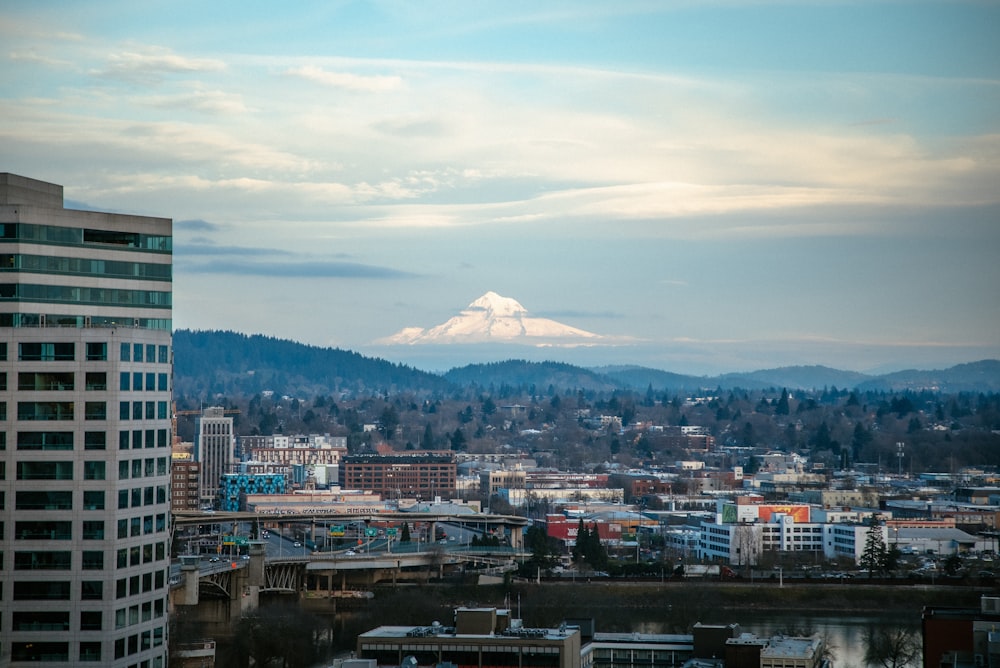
(210, 363)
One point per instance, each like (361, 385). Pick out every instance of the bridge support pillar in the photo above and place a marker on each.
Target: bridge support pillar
(517, 537)
(190, 575)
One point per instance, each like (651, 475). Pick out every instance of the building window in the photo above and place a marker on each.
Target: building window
(40, 620)
(93, 530)
(93, 470)
(42, 561)
(96, 380)
(47, 500)
(93, 500)
(90, 651)
(44, 440)
(91, 620)
(124, 355)
(95, 440)
(42, 530)
(29, 590)
(44, 410)
(46, 352)
(97, 351)
(93, 560)
(91, 590)
(34, 651)
(28, 470)
(95, 410)
(42, 381)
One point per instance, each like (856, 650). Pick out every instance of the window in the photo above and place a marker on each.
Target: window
(28, 470)
(90, 651)
(91, 590)
(123, 440)
(93, 560)
(42, 561)
(93, 530)
(43, 530)
(123, 469)
(161, 382)
(40, 620)
(93, 500)
(44, 440)
(90, 620)
(95, 410)
(44, 410)
(34, 651)
(95, 440)
(122, 528)
(136, 410)
(150, 352)
(96, 380)
(93, 470)
(123, 410)
(124, 383)
(3, 381)
(124, 352)
(150, 382)
(41, 381)
(29, 590)
(137, 352)
(97, 351)
(161, 410)
(163, 355)
(46, 352)
(46, 500)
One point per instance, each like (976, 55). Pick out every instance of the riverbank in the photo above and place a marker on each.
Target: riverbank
(622, 607)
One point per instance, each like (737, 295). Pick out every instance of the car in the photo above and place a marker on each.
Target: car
(297, 544)
(350, 553)
(214, 560)
(244, 556)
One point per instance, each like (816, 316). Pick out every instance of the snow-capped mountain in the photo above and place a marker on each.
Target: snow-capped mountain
(492, 319)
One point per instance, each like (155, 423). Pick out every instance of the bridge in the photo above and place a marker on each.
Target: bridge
(223, 591)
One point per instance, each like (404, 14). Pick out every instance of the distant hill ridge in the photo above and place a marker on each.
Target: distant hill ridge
(208, 363)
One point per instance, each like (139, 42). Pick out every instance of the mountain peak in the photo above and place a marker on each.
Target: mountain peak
(498, 306)
(494, 318)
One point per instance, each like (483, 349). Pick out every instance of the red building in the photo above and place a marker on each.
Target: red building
(423, 475)
(564, 528)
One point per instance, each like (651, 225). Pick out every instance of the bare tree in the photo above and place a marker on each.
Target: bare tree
(891, 646)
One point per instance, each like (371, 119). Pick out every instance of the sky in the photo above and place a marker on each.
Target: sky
(710, 185)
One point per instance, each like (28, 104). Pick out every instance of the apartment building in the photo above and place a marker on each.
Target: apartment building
(422, 476)
(85, 386)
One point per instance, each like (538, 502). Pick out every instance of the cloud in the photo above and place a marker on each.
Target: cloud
(196, 225)
(308, 269)
(347, 80)
(151, 64)
(212, 102)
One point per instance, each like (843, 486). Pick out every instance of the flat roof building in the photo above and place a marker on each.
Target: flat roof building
(85, 389)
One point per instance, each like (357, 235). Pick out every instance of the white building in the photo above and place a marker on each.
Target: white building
(214, 447)
(85, 386)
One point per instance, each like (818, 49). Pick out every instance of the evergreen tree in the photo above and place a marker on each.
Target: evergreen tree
(427, 442)
(581, 540)
(875, 555)
(404, 536)
(782, 407)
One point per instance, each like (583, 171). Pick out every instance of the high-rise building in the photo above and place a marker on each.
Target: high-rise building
(85, 386)
(214, 447)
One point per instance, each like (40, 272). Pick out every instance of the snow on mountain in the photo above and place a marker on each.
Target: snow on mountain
(493, 318)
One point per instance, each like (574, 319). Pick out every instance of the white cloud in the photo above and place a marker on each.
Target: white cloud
(347, 80)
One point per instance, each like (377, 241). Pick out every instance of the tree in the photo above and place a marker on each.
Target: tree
(782, 407)
(891, 646)
(875, 555)
(427, 442)
(405, 535)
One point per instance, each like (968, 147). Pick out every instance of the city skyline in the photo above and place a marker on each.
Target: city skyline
(710, 187)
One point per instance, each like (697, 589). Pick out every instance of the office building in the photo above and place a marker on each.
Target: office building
(423, 476)
(85, 385)
(480, 637)
(214, 447)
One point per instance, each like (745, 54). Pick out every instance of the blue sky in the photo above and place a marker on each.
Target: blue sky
(724, 186)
